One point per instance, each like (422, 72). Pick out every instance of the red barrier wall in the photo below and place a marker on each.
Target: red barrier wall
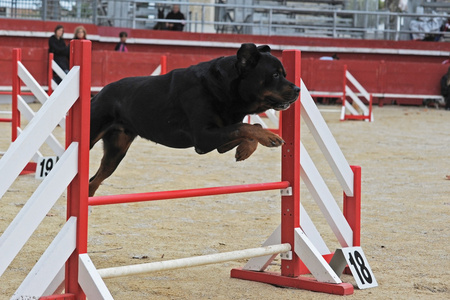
(381, 72)
(375, 76)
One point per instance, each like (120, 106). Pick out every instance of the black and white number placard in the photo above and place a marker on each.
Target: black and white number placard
(45, 165)
(359, 266)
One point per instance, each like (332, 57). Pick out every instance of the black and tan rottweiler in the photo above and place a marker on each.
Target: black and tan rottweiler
(201, 106)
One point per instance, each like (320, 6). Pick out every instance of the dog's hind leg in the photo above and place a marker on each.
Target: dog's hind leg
(116, 143)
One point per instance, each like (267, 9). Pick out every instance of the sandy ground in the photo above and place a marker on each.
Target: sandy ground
(405, 212)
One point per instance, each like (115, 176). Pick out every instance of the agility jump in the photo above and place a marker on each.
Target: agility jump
(302, 249)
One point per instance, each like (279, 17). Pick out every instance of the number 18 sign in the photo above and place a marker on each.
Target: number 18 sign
(358, 264)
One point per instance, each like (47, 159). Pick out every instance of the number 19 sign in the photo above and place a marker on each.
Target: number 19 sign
(45, 165)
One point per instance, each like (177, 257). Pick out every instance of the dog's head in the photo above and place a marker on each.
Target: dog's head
(262, 80)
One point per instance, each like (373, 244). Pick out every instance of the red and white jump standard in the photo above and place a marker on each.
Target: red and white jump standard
(295, 240)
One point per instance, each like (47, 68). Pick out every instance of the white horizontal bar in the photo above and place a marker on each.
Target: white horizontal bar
(192, 261)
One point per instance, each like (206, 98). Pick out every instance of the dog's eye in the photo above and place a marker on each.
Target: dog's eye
(276, 75)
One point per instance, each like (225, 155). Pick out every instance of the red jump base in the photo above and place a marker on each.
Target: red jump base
(304, 283)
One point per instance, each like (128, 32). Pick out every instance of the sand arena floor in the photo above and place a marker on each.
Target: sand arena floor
(404, 157)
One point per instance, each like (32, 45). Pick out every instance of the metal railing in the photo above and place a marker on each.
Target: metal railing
(228, 18)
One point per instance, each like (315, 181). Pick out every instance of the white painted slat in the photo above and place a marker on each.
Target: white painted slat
(358, 86)
(157, 71)
(36, 89)
(326, 141)
(315, 263)
(31, 83)
(357, 100)
(37, 131)
(39, 204)
(37, 156)
(311, 231)
(29, 114)
(49, 265)
(90, 281)
(257, 119)
(343, 112)
(262, 262)
(54, 85)
(57, 69)
(350, 108)
(271, 114)
(324, 199)
(57, 284)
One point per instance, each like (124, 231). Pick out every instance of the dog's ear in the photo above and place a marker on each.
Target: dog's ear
(247, 56)
(264, 48)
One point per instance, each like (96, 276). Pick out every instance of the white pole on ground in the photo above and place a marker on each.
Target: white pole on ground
(192, 261)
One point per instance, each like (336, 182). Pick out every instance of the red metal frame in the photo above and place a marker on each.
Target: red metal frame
(77, 130)
(50, 74)
(166, 195)
(352, 206)
(344, 83)
(15, 113)
(17, 56)
(163, 64)
(290, 166)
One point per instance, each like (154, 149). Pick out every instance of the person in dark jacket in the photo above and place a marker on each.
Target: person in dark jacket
(122, 45)
(175, 14)
(60, 50)
(445, 89)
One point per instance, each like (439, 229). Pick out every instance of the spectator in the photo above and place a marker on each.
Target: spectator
(160, 25)
(175, 14)
(60, 50)
(445, 89)
(80, 33)
(122, 46)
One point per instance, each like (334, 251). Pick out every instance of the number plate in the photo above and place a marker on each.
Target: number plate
(358, 264)
(45, 165)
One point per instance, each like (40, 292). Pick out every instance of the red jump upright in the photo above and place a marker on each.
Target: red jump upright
(290, 204)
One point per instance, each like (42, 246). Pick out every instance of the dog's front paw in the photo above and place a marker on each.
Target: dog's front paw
(271, 139)
(245, 149)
